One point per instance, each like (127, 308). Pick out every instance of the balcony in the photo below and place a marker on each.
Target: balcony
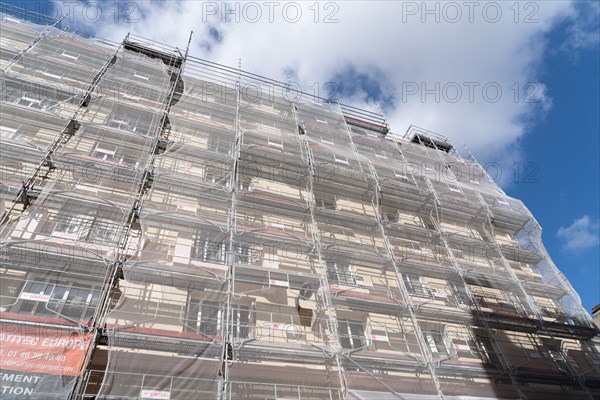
(143, 375)
(271, 381)
(360, 288)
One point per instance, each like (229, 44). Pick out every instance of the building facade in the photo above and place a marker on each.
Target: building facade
(177, 229)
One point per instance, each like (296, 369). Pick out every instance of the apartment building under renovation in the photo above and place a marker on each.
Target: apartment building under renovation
(170, 231)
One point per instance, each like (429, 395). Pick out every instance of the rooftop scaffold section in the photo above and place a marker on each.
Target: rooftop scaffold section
(427, 138)
(173, 228)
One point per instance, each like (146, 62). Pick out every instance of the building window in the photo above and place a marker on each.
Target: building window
(48, 299)
(72, 56)
(39, 305)
(78, 301)
(380, 154)
(462, 347)
(400, 175)
(502, 202)
(275, 222)
(128, 123)
(103, 231)
(37, 104)
(74, 227)
(245, 253)
(203, 317)
(341, 159)
(275, 143)
(326, 202)
(241, 321)
(244, 186)
(208, 249)
(391, 216)
(351, 334)
(141, 76)
(436, 343)
(461, 295)
(52, 75)
(454, 189)
(217, 176)
(415, 287)
(131, 96)
(353, 239)
(340, 273)
(552, 350)
(206, 317)
(30, 102)
(7, 133)
(327, 141)
(87, 228)
(487, 351)
(219, 145)
(306, 316)
(105, 151)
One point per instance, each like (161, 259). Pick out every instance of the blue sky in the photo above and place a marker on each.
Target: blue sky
(564, 148)
(542, 51)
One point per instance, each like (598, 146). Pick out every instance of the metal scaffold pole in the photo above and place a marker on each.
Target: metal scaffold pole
(438, 208)
(325, 287)
(229, 350)
(115, 272)
(27, 190)
(425, 350)
(504, 363)
(531, 305)
(176, 228)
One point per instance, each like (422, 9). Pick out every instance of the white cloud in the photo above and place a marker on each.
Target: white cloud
(387, 41)
(582, 234)
(586, 32)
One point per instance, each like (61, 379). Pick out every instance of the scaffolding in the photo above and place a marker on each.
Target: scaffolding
(178, 229)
